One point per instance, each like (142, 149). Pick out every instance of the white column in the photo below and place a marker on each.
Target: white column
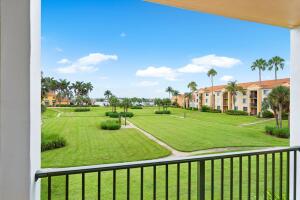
(19, 99)
(295, 103)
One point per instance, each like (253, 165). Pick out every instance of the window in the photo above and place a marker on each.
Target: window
(206, 100)
(244, 92)
(244, 100)
(245, 109)
(207, 94)
(266, 92)
(218, 93)
(218, 107)
(236, 108)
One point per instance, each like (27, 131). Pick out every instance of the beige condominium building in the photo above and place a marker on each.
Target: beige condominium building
(250, 100)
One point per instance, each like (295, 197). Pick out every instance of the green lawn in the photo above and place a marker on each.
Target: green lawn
(206, 130)
(87, 144)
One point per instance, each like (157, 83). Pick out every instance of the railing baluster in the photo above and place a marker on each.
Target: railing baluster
(212, 179)
(67, 186)
(114, 184)
(295, 175)
(231, 178)
(167, 182)
(142, 183)
(288, 175)
(241, 177)
(265, 176)
(189, 181)
(83, 186)
(99, 185)
(178, 181)
(249, 177)
(202, 180)
(273, 176)
(257, 177)
(49, 187)
(128, 184)
(222, 179)
(154, 182)
(280, 175)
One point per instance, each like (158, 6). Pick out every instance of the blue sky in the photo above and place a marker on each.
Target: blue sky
(136, 48)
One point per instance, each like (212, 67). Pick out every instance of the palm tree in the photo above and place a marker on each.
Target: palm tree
(275, 64)
(192, 86)
(187, 95)
(261, 65)
(63, 89)
(107, 94)
(233, 88)
(126, 103)
(212, 73)
(169, 90)
(175, 94)
(113, 102)
(279, 98)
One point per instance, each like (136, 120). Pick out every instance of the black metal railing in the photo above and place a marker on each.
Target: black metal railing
(261, 174)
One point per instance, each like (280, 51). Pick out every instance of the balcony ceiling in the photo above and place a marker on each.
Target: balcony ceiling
(284, 13)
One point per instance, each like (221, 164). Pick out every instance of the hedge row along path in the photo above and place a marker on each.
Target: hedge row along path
(175, 153)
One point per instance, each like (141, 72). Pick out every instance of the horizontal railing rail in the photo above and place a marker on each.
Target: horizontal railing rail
(267, 175)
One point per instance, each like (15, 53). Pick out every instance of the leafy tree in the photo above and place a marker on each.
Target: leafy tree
(81, 91)
(126, 103)
(233, 88)
(63, 87)
(158, 102)
(279, 99)
(114, 102)
(175, 94)
(169, 90)
(275, 64)
(166, 103)
(187, 95)
(212, 73)
(260, 65)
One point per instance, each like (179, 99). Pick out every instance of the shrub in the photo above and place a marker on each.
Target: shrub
(205, 108)
(278, 132)
(214, 111)
(114, 115)
(136, 107)
(43, 108)
(126, 114)
(236, 112)
(162, 112)
(82, 109)
(285, 116)
(267, 114)
(110, 125)
(52, 141)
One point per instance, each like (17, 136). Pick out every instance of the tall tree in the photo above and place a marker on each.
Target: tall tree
(175, 94)
(126, 103)
(169, 90)
(192, 86)
(114, 102)
(63, 89)
(275, 64)
(107, 94)
(279, 98)
(187, 95)
(212, 73)
(233, 88)
(260, 65)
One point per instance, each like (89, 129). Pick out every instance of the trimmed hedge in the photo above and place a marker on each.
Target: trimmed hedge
(162, 112)
(137, 107)
(214, 111)
(82, 109)
(267, 114)
(236, 112)
(278, 132)
(52, 141)
(126, 114)
(113, 115)
(110, 125)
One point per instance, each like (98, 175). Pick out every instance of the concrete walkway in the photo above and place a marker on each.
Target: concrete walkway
(259, 122)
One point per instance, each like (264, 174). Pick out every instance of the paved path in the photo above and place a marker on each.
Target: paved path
(259, 122)
(175, 153)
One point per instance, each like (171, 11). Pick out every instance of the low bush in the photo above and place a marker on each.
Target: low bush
(267, 114)
(205, 108)
(126, 114)
(52, 141)
(82, 109)
(236, 112)
(113, 114)
(162, 112)
(137, 107)
(214, 111)
(278, 132)
(110, 125)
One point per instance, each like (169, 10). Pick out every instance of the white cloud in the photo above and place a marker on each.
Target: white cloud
(216, 61)
(227, 78)
(85, 64)
(103, 77)
(123, 34)
(192, 68)
(64, 61)
(158, 72)
(58, 49)
(147, 83)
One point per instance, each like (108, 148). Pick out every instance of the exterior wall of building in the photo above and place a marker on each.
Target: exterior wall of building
(51, 100)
